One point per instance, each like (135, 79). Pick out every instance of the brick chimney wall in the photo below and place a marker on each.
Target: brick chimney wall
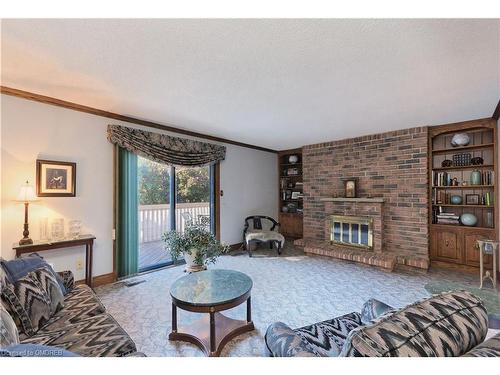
(391, 165)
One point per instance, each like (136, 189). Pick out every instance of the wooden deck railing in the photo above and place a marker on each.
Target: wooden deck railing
(154, 219)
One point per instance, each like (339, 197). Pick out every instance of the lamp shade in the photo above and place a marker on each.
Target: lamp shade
(26, 193)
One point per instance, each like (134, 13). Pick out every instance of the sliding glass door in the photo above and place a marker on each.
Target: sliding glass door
(168, 198)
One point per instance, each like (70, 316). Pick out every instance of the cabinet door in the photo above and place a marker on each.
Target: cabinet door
(446, 246)
(472, 250)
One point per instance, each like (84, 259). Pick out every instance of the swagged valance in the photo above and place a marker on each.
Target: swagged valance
(164, 148)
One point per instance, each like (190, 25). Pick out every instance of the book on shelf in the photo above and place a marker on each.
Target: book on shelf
(445, 179)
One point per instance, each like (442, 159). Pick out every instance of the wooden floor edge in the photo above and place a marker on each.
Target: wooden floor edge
(99, 112)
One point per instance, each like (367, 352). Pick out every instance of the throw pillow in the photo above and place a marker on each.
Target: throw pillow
(372, 309)
(20, 267)
(8, 330)
(49, 284)
(28, 302)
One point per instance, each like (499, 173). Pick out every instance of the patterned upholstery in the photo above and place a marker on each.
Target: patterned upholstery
(27, 302)
(446, 325)
(8, 330)
(80, 303)
(95, 336)
(282, 341)
(51, 287)
(372, 309)
(82, 326)
(68, 280)
(327, 338)
(489, 348)
(324, 339)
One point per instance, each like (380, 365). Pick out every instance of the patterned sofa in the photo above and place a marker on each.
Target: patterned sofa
(451, 324)
(82, 326)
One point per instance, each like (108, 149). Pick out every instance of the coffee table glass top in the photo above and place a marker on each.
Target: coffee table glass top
(212, 287)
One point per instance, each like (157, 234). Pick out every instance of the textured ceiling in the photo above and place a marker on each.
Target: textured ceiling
(274, 83)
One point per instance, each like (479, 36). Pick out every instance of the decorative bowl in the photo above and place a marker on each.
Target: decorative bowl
(460, 139)
(468, 219)
(292, 159)
(446, 163)
(456, 199)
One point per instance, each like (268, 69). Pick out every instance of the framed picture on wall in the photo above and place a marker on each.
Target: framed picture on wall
(55, 178)
(350, 186)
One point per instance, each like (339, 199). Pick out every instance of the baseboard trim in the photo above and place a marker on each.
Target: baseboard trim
(100, 280)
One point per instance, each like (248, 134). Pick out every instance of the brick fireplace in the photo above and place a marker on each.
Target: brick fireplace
(366, 209)
(391, 168)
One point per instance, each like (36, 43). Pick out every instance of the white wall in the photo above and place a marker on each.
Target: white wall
(32, 130)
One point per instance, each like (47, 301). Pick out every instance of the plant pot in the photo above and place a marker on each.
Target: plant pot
(191, 266)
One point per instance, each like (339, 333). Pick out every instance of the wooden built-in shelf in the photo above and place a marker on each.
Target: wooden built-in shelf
(464, 227)
(461, 168)
(465, 205)
(291, 222)
(454, 245)
(465, 187)
(458, 150)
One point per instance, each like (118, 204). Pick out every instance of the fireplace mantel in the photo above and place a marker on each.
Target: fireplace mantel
(355, 200)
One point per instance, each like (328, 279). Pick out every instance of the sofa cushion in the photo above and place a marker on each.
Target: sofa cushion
(28, 303)
(327, 338)
(282, 341)
(489, 348)
(50, 285)
(372, 309)
(445, 325)
(79, 304)
(8, 331)
(17, 268)
(95, 336)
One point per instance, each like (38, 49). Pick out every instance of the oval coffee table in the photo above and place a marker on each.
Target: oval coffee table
(210, 292)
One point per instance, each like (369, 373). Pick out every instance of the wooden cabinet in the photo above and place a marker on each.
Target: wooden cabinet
(471, 250)
(446, 246)
(458, 245)
(291, 225)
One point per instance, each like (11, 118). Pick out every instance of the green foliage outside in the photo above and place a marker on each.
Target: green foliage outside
(193, 184)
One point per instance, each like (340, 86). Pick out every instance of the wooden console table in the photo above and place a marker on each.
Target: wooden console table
(86, 239)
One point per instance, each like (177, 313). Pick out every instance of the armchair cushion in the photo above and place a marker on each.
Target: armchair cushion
(264, 236)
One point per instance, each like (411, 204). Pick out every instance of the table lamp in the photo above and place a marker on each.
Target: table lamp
(26, 195)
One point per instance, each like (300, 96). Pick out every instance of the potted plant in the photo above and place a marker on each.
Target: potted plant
(197, 244)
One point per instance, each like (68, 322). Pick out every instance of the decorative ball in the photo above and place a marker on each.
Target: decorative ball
(456, 199)
(460, 139)
(284, 209)
(468, 219)
(292, 159)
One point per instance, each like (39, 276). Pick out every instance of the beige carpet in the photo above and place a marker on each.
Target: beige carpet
(293, 288)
